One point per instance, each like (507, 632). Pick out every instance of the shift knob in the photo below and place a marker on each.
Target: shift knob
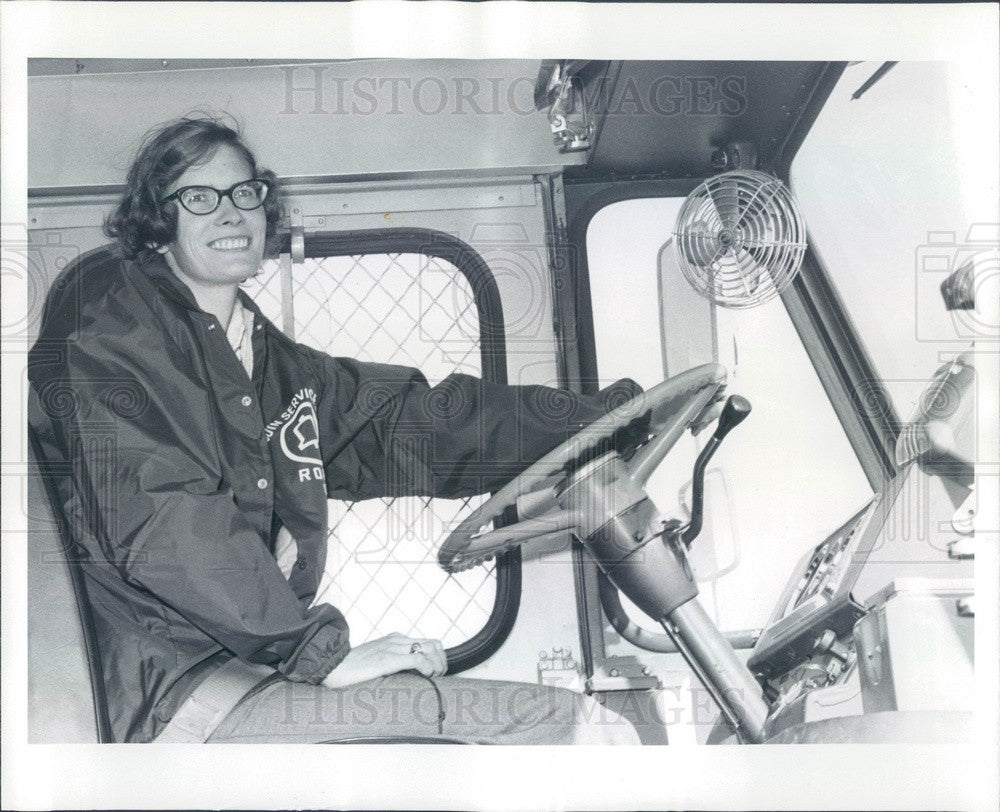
(733, 413)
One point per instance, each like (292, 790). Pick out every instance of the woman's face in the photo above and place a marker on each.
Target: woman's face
(223, 248)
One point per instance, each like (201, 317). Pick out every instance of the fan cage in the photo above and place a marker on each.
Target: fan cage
(740, 238)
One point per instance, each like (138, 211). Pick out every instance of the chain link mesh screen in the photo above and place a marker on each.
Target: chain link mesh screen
(410, 309)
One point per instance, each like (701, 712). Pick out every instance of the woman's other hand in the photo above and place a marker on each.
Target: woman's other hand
(388, 655)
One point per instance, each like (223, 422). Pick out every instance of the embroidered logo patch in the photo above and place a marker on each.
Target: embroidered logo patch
(298, 434)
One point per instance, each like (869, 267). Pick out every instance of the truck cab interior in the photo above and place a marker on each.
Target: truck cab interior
(727, 233)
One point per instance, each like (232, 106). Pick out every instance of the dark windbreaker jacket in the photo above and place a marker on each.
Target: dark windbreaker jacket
(183, 468)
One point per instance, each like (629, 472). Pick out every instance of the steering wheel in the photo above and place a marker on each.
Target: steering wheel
(674, 405)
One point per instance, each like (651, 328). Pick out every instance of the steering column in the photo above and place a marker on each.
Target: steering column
(646, 559)
(602, 500)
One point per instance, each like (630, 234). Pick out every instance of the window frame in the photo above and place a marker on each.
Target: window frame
(834, 346)
(835, 350)
(429, 242)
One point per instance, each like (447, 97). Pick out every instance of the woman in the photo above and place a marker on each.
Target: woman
(200, 476)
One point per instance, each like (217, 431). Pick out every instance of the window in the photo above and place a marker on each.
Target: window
(781, 481)
(892, 187)
(400, 308)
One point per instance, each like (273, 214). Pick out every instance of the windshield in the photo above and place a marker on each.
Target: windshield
(891, 189)
(754, 533)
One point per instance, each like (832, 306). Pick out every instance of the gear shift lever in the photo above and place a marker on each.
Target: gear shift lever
(733, 413)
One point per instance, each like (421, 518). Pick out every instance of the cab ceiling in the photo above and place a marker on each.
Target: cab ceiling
(660, 119)
(667, 119)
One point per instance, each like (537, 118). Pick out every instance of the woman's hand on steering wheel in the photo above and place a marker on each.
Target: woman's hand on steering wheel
(644, 428)
(389, 655)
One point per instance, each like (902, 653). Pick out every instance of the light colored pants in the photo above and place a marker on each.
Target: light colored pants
(410, 705)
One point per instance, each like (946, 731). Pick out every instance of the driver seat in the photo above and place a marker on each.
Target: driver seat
(66, 698)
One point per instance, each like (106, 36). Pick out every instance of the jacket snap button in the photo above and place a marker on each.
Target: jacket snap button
(247, 400)
(301, 564)
(262, 483)
(211, 327)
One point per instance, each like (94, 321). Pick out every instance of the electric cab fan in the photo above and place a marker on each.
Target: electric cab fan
(740, 238)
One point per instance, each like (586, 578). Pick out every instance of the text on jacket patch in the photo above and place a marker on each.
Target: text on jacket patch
(298, 434)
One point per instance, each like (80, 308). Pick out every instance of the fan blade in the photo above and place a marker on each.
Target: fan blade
(698, 243)
(726, 197)
(754, 272)
(706, 209)
(764, 195)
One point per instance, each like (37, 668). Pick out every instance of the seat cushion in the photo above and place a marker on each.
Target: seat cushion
(60, 707)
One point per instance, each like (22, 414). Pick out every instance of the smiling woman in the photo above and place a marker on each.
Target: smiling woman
(167, 159)
(204, 206)
(241, 438)
(215, 249)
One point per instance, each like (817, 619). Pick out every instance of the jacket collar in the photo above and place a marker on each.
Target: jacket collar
(245, 300)
(156, 269)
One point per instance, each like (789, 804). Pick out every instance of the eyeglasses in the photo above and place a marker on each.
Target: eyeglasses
(246, 195)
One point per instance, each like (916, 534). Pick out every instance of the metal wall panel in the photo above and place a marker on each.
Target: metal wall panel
(360, 117)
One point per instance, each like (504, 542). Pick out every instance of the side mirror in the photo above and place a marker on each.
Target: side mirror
(687, 319)
(941, 434)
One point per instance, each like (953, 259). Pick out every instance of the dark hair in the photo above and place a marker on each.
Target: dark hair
(140, 222)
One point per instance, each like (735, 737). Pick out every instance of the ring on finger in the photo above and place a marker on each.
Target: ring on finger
(416, 648)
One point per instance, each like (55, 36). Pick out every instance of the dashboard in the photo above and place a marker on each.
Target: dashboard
(819, 598)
